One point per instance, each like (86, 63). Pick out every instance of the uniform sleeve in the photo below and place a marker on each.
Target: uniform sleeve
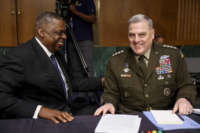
(111, 91)
(11, 80)
(186, 89)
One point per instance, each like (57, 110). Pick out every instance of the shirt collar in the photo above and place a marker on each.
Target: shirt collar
(146, 55)
(44, 47)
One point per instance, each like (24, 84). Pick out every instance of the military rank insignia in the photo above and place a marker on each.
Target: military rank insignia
(164, 67)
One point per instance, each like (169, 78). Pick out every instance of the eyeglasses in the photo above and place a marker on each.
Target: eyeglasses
(58, 33)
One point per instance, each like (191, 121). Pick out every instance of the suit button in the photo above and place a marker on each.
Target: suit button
(146, 95)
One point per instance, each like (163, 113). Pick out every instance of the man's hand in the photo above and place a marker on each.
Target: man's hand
(102, 80)
(105, 108)
(183, 106)
(72, 8)
(55, 115)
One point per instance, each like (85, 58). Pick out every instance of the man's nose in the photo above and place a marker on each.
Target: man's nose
(137, 39)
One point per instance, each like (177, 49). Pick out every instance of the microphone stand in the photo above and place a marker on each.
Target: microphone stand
(78, 50)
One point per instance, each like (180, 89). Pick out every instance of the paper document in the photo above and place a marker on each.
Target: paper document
(166, 117)
(188, 123)
(196, 111)
(118, 124)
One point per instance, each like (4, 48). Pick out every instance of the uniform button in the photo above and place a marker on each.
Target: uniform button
(166, 82)
(145, 85)
(146, 95)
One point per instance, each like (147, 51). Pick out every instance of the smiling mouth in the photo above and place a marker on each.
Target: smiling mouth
(138, 45)
(60, 43)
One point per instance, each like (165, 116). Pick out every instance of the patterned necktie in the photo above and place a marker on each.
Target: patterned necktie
(53, 61)
(142, 65)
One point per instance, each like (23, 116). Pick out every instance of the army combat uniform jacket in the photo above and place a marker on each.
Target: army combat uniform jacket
(166, 81)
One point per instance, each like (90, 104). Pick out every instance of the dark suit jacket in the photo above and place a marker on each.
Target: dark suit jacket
(27, 79)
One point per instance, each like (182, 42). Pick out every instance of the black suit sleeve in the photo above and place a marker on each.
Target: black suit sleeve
(11, 80)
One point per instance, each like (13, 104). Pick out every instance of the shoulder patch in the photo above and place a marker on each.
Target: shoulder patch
(169, 46)
(118, 52)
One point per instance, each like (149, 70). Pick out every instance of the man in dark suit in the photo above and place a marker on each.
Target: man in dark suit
(31, 84)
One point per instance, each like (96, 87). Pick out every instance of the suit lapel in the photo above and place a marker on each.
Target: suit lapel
(63, 66)
(42, 57)
(46, 65)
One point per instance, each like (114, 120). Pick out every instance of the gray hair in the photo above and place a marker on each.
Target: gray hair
(140, 17)
(46, 18)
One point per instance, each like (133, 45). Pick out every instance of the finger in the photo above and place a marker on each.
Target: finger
(105, 110)
(112, 111)
(190, 109)
(54, 120)
(67, 116)
(61, 118)
(98, 111)
(190, 112)
(183, 109)
(175, 109)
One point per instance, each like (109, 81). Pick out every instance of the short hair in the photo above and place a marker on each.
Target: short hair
(139, 18)
(46, 18)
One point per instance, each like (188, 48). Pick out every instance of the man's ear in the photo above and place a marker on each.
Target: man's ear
(153, 33)
(40, 32)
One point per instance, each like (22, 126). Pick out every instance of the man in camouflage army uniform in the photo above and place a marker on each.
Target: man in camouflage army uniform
(146, 76)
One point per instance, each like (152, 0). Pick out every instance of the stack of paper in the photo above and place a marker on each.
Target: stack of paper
(118, 124)
(166, 117)
(188, 123)
(196, 111)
